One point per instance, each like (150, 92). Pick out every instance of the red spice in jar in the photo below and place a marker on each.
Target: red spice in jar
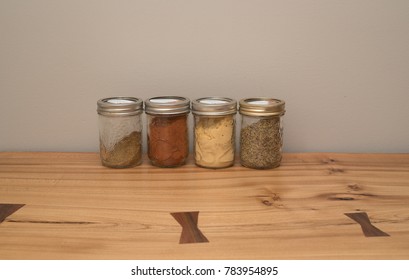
(168, 140)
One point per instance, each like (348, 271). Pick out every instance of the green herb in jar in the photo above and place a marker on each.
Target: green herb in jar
(261, 143)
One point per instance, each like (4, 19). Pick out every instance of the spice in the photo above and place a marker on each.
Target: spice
(126, 152)
(261, 132)
(214, 131)
(168, 143)
(214, 141)
(168, 140)
(120, 131)
(260, 144)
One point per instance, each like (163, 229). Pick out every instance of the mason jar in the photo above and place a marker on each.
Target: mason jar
(261, 133)
(167, 122)
(120, 131)
(214, 131)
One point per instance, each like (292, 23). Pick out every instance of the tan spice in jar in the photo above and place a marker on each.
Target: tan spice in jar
(214, 141)
(126, 152)
(168, 140)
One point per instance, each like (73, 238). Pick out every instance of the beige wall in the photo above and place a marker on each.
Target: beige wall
(341, 66)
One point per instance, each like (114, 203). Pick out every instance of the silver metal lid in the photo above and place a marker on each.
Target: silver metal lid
(120, 106)
(214, 106)
(167, 105)
(262, 106)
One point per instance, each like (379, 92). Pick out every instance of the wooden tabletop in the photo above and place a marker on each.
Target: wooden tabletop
(315, 206)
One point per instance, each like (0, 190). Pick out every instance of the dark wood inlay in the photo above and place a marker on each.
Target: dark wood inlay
(190, 231)
(8, 209)
(368, 229)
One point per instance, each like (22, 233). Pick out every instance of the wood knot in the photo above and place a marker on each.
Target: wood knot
(341, 197)
(333, 170)
(328, 161)
(272, 200)
(354, 187)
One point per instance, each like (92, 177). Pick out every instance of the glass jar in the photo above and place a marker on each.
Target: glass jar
(261, 134)
(168, 139)
(120, 131)
(214, 131)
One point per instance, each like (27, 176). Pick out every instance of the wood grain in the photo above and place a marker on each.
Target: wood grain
(77, 209)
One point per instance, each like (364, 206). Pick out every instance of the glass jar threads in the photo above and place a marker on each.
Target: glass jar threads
(261, 134)
(214, 131)
(168, 139)
(120, 131)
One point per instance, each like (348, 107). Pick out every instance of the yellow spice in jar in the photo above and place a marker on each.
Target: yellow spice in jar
(214, 141)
